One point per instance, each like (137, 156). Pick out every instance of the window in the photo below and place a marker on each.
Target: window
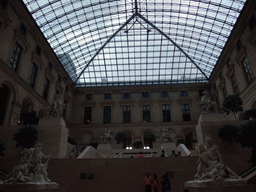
(126, 95)
(145, 94)
(38, 50)
(59, 78)
(247, 70)
(224, 92)
(32, 75)
(107, 114)
(166, 113)
(49, 66)
(220, 76)
(46, 88)
(146, 113)
(67, 89)
(87, 115)
(88, 97)
(164, 94)
(185, 112)
(229, 62)
(15, 57)
(214, 87)
(233, 79)
(107, 96)
(252, 22)
(183, 93)
(239, 45)
(23, 29)
(126, 114)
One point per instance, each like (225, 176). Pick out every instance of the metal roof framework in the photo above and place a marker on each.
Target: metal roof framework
(136, 42)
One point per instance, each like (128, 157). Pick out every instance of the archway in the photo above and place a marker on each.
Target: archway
(128, 142)
(148, 143)
(4, 95)
(188, 134)
(27, 105)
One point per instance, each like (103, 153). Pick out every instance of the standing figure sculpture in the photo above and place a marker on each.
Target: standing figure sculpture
(105, 136)
(57, 107)
(168, 134)
(206, 102)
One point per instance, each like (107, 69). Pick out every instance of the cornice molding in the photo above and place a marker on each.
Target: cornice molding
(19, 37)
(112, 103)
(241, 55)
(187, 100)
(230, 71)
(126, 102)
(49, 75)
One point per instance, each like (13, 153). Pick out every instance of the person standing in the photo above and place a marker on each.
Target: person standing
(155, 184)
(148, 182)
(162, 154)
(140, 155)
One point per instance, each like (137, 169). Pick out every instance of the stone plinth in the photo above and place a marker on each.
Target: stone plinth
(49, 187)
(104, 147)
(54, 136)
(234, 188)
(211, 117)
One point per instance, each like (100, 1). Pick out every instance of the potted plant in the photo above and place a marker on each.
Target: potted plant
(137, 144)
(232, 104)
(26, 136)
(228, 133)
(120, 137)
(29, 118)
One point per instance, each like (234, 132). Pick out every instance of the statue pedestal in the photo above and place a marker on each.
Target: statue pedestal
(54, 136)
(104, 147)
(211, 117)
(236, 188)
(47, 187)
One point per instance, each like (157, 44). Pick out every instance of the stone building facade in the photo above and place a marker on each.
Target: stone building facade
(31, 73)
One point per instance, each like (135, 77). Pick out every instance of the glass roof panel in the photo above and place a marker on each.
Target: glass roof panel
(136, 42)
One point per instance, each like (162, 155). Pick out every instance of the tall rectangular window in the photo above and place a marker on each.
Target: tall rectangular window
(164, 94)
(88, 97)
(15, 57)
(233, 79)
(107, 114)
(46, 88)
(65, 108)
(220, 76)
(126, 95)
(183, 93)
(145, 95)
(166, 113)
(247, 70)
(146, 113)
(224, 91)
(239, 45)
(185, 112)
(38, 50)
(127, 114)
(32, 75)
(107, 96)
(49, 66)
(229, 62)
(87, 115)
(23, 29)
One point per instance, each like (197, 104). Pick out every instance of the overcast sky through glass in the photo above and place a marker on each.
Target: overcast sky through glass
(163, 42)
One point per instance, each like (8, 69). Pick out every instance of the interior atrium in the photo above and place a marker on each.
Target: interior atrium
(136, 67)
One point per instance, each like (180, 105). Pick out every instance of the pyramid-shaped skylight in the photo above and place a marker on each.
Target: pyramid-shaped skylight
(136, 42)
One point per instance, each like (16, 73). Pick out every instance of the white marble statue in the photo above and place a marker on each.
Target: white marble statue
(211, 170)
(206, 103)
(168, 135)
(105, 136)
(31, 170)
(57, 107)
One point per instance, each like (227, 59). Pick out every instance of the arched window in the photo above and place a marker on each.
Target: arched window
(4, 95)
(128, 141)
(148, 142)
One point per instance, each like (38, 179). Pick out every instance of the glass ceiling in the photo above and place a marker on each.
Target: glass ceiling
(136, 42)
